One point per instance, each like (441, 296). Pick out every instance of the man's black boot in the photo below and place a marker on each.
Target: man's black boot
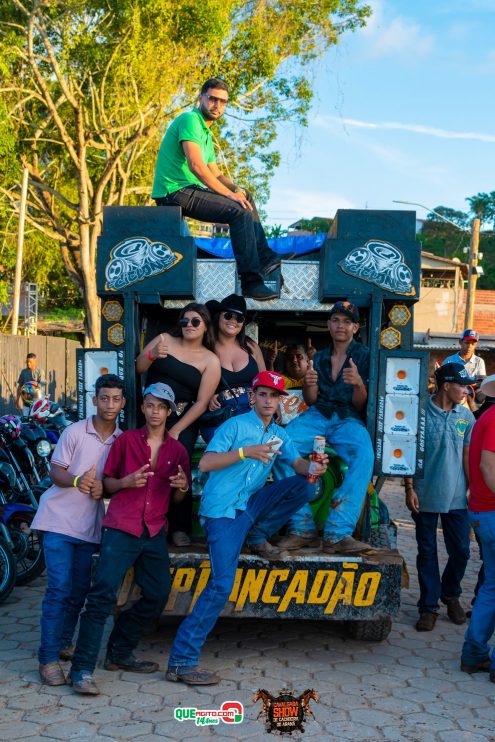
(252, 287)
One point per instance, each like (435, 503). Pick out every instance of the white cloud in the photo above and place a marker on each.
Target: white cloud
(330, 121)
(401, 36)
(394, 36)
(286, 205)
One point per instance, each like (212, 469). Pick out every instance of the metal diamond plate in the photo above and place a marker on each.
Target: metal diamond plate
(217, 279)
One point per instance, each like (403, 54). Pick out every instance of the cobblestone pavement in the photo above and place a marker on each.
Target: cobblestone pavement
(408, 687)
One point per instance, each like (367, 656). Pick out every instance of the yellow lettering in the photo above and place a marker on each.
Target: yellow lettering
(237, 583)
(342, 592)
(296, 590)
(367, 588)
(201, 583)
(273, 576)
(181, 583)
(349, 565)
(251, 587)
(322, 586)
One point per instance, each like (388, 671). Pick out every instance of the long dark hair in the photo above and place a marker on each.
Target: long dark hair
(208, 337)
(241, 337)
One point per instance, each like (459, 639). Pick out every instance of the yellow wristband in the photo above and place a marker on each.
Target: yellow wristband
(241, 454)
(183, 490)
(76, 479)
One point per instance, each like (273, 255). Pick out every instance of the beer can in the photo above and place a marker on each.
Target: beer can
(319, 444)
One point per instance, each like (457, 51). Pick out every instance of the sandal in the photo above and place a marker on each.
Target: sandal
(180, 538)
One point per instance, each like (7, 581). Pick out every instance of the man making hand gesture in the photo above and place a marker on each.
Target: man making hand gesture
(335, 389)
(236, 503)
(142, 473)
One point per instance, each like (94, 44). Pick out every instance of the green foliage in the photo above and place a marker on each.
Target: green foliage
(448, 241)
(483, 206)
(316, 224)
(89, 86)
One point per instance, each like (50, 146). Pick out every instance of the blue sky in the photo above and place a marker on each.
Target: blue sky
(404, 109)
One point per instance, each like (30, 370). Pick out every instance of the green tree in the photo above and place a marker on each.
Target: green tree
(483, 206)
(90, 85)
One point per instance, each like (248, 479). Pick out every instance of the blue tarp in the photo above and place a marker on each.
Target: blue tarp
(300, 244)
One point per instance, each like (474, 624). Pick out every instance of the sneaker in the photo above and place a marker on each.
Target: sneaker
(259, 291)
(180, 538)
(191, 675)
(347, 545)
(129, 663)
(52, 674)
(67, 653)
(455, 611)
(275, 263)
(426, 622)
(483, 666)
(292, 541)
(267, 550)
(83, 682)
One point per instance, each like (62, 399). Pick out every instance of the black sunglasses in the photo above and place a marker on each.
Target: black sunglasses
(238, 316)
(195, 321)
(215, 99)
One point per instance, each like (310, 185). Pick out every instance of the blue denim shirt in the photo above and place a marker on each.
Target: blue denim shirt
(228, 490)
(336, 396)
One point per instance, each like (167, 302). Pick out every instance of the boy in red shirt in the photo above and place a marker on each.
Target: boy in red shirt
(142, 473)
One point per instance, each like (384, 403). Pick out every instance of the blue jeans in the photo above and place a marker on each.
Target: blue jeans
(68, 569)
(455, 526)
(120, 551)
(350, 439)
(267, 510)
(248, 239)
(482, 623)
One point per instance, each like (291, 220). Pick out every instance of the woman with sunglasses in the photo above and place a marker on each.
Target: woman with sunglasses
(240, 358)
(184, 359)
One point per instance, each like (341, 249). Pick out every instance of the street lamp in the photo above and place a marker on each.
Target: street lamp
(473, 270)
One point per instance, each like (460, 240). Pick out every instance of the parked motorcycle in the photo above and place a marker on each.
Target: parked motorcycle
(7, 570)
(15, 528)
(51, 417)
(15, 451)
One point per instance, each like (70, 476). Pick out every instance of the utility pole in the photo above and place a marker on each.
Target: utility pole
(472, 273)
(20, 247)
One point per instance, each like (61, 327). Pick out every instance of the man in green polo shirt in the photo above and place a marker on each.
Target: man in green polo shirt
(188, 176)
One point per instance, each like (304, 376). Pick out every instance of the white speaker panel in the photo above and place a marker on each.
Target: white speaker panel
(401, 414)
(96, 363)
(402, 375)
(399, 455)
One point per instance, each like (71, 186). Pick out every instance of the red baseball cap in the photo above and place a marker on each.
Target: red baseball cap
(271, 380)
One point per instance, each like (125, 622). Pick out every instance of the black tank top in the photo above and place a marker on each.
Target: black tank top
(182, 377)
(243, 377)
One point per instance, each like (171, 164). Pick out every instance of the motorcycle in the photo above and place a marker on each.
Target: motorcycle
(15, 451)
(15, 529)
(51, 417)
(40, 447)
(7, 570)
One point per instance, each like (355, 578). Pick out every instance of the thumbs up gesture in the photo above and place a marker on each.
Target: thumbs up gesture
(351, 374)
(311, 377)
(310, 349)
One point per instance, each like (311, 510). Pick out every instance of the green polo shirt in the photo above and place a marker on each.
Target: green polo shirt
(172, 171)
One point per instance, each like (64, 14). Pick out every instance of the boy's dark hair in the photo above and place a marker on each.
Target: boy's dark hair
(31, 355)
(214, 82)
(109, 381)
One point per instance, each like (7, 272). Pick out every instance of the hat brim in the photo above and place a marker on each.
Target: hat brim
(282, 392)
